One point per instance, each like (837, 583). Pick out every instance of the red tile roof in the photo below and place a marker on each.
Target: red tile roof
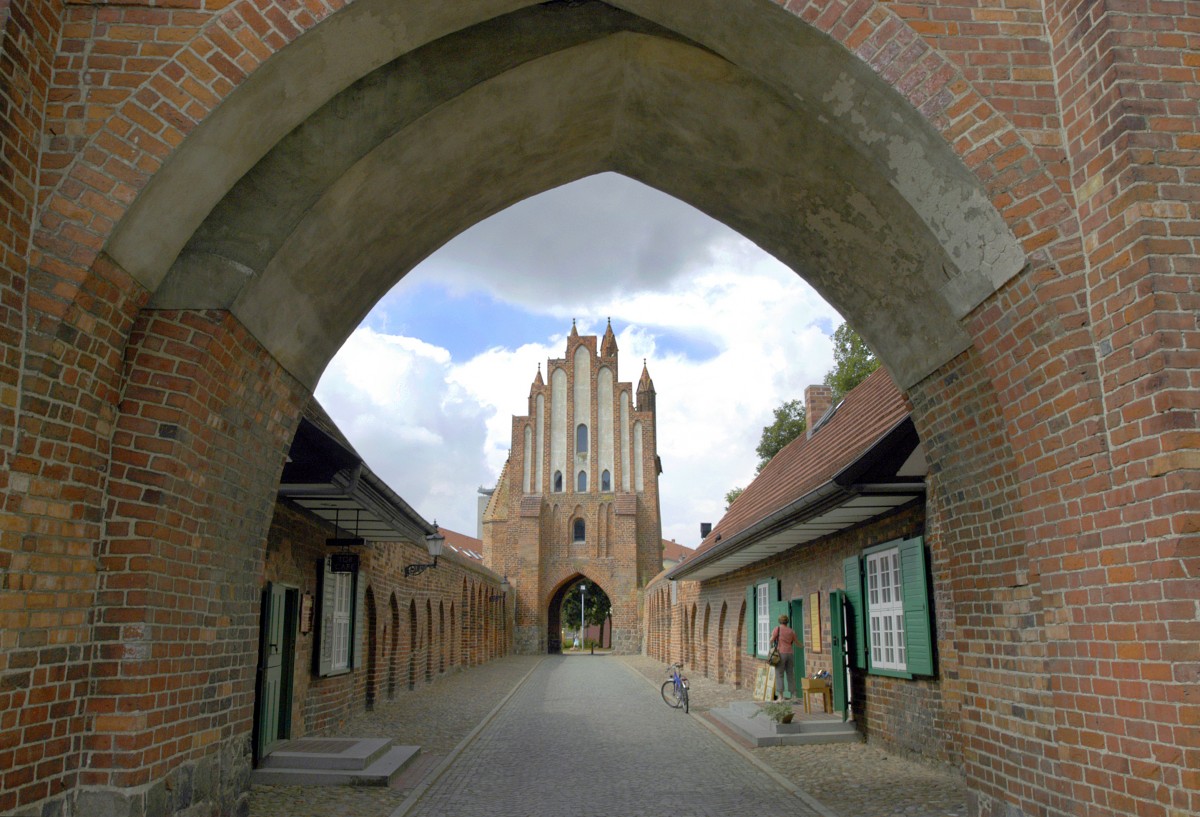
(866, 414)
(467, 546)
(674, 552)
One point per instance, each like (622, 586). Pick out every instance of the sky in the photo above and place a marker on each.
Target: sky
(426, 387)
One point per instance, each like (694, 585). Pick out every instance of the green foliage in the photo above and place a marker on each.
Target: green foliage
(775, 710)
(789, 424)
(598, 605)
(853, 360)
(733, 494)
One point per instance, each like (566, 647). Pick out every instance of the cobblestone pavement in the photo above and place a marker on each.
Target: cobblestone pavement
(585, 737)
(435, 718)
(849, 779)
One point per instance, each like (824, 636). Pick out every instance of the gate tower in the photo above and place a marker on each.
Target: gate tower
(578, 496)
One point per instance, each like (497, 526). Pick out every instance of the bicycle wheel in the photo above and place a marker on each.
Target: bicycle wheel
(670, 696)
(684, 694)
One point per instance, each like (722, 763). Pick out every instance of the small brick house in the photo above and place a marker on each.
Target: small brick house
(334, 643)
(833, 534)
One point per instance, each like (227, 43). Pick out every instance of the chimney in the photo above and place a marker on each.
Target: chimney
(705, 530)
(818, 400)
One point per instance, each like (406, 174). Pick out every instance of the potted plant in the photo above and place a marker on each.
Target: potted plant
(778, 711)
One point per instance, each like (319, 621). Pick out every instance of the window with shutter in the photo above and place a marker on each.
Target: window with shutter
(336, 632)
(887, 598)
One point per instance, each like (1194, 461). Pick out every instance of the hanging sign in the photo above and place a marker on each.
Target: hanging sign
(343, 563)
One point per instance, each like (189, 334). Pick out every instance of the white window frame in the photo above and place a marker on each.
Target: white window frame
(885, 610)
(762, 609)
(343, 620)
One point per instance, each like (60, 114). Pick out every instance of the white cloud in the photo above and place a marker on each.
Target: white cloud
(729, 332)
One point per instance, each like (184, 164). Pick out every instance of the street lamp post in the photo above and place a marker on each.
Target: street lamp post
(582, 605)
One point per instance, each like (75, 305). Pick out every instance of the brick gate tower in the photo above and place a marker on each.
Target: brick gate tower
(578, 496)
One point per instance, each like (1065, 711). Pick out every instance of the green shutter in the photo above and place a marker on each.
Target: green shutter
(918, 635)
(357, 615)
(751, 623)
(323, 646)
(856, 612)
(837, 652)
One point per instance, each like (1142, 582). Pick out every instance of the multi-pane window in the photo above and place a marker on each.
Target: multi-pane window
(343, 592)
(581, 482)
(579, 530)
(762, 606)
(605, 480)
(885, 606)
(581, 439)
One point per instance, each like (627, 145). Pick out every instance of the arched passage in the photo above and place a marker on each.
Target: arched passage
(394, 652)
(571, 612)
(1004, 346)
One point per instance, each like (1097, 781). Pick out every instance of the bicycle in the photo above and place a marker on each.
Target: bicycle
(675, 688)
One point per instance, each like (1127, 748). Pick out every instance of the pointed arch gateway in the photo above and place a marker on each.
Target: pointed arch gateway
(556, 624)
(194, 238)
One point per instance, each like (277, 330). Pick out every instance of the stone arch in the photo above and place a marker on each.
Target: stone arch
(394, 657)
(429, 644)
(705, 647)
(998, 374)
(722, 659)
(412, 644)
(455, 658)
(442, 640)
(738, 647)
(372, 663)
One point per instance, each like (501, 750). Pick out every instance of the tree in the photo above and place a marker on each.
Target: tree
(598, 605)
(853, 360)
(733, 494)
(790, 423)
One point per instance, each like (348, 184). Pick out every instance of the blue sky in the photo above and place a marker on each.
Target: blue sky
(427, 386)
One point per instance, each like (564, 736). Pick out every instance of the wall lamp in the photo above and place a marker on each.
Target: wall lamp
(504, 588)
(434, 543)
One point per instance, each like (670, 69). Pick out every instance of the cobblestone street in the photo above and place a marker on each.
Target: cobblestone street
(585, 736)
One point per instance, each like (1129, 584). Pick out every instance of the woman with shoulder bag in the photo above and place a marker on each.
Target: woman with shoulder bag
(783, 639)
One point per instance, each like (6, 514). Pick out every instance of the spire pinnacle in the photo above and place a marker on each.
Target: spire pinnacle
(574, 331)
(608, 347)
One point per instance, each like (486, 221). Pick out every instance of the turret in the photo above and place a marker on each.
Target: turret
(608, 347)
(645, 390)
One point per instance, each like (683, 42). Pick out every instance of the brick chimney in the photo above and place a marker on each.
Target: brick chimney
(818, 400)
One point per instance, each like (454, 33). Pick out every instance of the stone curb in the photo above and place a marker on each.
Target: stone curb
(419, 791)
(786, 784)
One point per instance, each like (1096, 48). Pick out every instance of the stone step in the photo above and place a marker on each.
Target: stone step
(739, 718)
(326, 753)
(384, 767)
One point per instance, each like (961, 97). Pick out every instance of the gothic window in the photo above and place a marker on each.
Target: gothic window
(605, 481)
(558, 482)
(581, 482)
(581, 439)
(578, 529)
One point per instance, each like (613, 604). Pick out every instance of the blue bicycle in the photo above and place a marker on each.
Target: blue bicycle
(675, 688)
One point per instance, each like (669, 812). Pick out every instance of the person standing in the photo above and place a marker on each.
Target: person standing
(784, 639)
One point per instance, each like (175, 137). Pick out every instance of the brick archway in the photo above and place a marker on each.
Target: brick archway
(1043, 358)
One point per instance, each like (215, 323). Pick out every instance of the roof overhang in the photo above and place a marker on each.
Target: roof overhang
(856, 494)
(328, 480)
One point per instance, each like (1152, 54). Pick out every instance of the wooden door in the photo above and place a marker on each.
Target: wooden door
(271, 703)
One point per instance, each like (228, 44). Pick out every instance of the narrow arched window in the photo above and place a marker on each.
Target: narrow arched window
(605, 481)
(581, 482)
(581, 439)
(578, 530)
(558, 483)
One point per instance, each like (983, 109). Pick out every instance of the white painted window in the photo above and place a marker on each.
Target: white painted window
(762, 606)
(343, 599)
(885, 604)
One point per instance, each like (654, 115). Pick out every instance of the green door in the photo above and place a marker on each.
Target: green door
(837, 654)
(796, 612)
(270, 672)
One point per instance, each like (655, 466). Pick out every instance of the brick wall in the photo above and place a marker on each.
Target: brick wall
(408, 611)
